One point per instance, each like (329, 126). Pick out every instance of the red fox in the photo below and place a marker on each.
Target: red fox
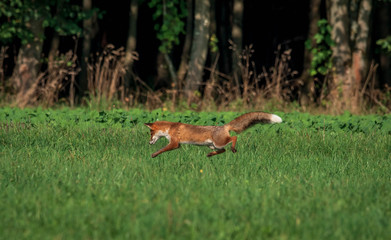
(215, 137)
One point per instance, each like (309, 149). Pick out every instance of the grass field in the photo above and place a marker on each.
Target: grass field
(79, 174)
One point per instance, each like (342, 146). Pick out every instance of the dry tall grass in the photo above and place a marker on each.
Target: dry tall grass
(255, 89)
(47, 87)
(276, 87)
(106, 74)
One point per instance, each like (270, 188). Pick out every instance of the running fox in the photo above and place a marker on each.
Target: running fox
(215, 137)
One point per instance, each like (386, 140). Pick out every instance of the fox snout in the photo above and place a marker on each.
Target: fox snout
(154, 138)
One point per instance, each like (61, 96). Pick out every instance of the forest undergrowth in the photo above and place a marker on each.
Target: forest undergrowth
(275, 88)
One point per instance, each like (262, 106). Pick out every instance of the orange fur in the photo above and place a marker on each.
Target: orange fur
(215, 137)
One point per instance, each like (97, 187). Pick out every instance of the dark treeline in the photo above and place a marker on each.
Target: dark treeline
(333, 54)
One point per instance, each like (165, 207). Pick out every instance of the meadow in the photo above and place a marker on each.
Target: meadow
(85, 174)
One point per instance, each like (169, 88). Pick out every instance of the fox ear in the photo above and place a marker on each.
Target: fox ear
(149, 125)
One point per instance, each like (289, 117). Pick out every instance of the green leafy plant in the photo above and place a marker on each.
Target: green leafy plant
(14, 15)
(213, 43)
(320, 47)
(169, 16)
(62, 16)
(385, 44)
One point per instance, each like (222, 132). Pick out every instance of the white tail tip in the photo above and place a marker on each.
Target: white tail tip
(275, 119)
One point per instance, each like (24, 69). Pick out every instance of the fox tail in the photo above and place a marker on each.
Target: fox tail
(247, 120)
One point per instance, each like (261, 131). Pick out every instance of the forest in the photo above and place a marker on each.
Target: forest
(332, 55)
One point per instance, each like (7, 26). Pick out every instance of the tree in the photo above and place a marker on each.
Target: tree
(131, 41)
(237, 17)
(307, 91)
(199, 47)
(171, 14)
(27, 65)
(26, 23)
(350, 32)
(183, 66)
(383, 21)
(88, 33)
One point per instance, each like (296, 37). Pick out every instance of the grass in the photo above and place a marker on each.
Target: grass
(93, 182)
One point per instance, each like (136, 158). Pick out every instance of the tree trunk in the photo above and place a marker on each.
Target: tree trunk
(53, 50)
(213, 56)
(88, 32)
(237, 39)
(383, 19)
(199, 47)
(213, 29)
(163, 74)
(307, 90)
(224, 31)
(131, 42)
(171, 71)
(341, 81)
(28, 64)
(55, 40)
(183, 66)
(350, 53)
(360, 51)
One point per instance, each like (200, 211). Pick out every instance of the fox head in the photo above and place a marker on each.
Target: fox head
(156, 132)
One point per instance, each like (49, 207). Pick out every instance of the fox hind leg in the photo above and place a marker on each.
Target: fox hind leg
(233, 139)
(216, 152)
(221, 141)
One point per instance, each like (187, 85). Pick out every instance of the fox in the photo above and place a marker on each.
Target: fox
(214, 137)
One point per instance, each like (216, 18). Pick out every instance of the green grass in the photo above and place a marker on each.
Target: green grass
(287, 181)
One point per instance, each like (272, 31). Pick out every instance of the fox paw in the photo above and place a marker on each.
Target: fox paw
(234, 150)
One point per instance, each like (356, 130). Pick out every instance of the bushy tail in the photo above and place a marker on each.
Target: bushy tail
(247, 120)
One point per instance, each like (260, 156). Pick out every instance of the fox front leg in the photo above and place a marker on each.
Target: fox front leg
(169, 147)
